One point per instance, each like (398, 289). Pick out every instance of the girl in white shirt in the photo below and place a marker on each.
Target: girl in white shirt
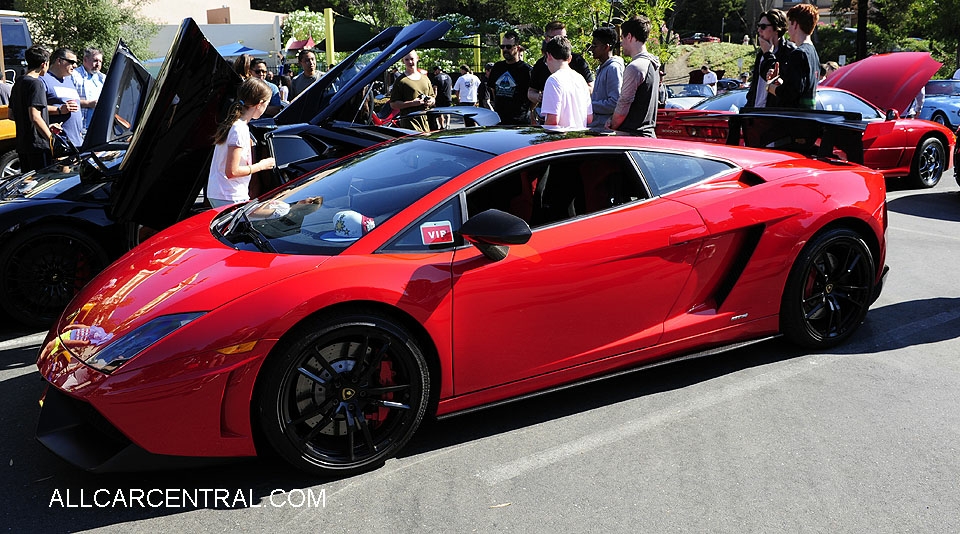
(232, 164)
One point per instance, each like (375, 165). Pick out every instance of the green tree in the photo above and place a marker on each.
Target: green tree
(99, 23)
(303, 24)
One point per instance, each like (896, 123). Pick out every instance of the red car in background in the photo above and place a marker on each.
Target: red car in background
(699, 38)
(898, 147)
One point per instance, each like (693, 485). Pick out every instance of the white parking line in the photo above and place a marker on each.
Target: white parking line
(23, 341)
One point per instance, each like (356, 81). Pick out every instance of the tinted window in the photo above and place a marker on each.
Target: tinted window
(435, 231)
(325, 213)
(128, 104)
(666, 172)
(561, 188)
(16, 40)
(731, 101)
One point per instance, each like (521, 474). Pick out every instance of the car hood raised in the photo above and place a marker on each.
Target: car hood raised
(330, 97)
(890, 81)
(168, 158)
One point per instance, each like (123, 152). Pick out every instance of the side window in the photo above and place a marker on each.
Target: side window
(666, 172)
(436, 231)
(837, 101)
(561, 188)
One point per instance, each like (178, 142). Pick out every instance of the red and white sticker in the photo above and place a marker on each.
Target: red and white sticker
(436, 233)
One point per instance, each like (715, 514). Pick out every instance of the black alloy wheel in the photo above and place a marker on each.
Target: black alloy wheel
(9, 165)
(42, 269)
(828, 290)
(345, 396)
(928, 163)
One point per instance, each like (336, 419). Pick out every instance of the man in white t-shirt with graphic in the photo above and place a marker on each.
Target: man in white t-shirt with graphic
(566, 96)
(466, 87)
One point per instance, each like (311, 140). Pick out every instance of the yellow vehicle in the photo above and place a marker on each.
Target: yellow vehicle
(9, 162)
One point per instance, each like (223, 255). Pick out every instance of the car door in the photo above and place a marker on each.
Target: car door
(603, 267)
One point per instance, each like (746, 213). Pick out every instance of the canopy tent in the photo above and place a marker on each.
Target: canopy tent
(301, 44)
(349, 34)
(235, 49)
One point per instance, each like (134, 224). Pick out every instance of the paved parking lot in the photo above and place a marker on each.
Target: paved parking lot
(763, 439)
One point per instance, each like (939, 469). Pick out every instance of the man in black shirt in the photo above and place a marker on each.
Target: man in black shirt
(510, 80)
(28, 100)
(540, 71)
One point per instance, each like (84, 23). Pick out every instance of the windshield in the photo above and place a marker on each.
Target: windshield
(63, 179)
(326, 212)
(943, 87)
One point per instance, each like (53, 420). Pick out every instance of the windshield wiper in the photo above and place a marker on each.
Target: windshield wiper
(240, 224)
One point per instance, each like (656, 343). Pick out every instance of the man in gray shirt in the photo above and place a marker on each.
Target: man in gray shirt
(309, 74)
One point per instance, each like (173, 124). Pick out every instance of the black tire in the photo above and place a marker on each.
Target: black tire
(314, 386)
(43, 268)
(940, 118)
(9, 165)
(828, 290)
(928, 163)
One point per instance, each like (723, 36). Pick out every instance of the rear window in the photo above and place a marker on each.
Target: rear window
(16, 40)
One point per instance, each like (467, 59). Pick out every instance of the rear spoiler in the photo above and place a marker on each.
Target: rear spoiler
(810, 132)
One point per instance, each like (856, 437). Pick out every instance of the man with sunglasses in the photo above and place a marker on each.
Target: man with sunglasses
(258, 69)
(63, 98)
(510, 80)
(774, 48)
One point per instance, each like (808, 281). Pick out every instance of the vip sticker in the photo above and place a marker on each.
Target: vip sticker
(436, 233)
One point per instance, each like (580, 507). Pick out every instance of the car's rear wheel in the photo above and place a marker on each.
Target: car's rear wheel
(940, 118)
(344, 395)
(928, 163)
(828, 290)
(9, 165)
(43, 268)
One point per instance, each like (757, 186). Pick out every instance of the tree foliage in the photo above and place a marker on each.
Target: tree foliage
(99, 23)
(303, 24)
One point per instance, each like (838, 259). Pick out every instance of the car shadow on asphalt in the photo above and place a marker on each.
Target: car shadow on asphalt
(944, 205)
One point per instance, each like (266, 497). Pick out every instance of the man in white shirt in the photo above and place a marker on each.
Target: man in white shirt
(466, 87)
(709, 78)
(566, 95)
(89, 81)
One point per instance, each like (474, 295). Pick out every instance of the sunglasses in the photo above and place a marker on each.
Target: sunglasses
(507, 47)
(763, 26)
(70, 61)
(259, 72)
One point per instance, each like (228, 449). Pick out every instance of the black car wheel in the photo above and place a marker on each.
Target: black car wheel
(828, 290)
(9, 165)
(928, 163)
(42, 269)
(940, 118)
(344, 396)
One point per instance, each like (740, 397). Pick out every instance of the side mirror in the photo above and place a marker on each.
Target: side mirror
(892, 115)
(492, 232)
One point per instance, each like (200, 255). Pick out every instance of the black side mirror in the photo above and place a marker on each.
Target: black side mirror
(892, 115)
(492, 232)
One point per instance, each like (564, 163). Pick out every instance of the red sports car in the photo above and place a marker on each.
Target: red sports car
(699, 38)
(898, 147)
(440, 273)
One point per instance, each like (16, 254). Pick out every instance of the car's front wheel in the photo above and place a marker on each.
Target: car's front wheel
(928, 163)
(9, 165)
(43, 268)
(344, 394)
(828, 290)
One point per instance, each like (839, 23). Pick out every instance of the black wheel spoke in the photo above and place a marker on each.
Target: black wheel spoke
(387, 389)
(324, 363)
(324, 409)
(303, 371)
(367, 436)
(363, 372)
(391, 404)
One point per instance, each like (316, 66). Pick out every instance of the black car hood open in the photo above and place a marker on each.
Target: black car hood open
(169, 155)
(121, 103)
(339, 93)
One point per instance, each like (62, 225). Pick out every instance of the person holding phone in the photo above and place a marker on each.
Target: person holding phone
(774, 48)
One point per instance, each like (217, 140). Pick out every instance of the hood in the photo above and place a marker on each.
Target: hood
(169, 155)
(121, 103)
(339, 93)
(890, 81)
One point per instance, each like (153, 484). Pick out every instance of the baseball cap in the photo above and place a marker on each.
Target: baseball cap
(349, 225)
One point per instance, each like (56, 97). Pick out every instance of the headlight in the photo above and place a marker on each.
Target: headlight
(115, 354)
